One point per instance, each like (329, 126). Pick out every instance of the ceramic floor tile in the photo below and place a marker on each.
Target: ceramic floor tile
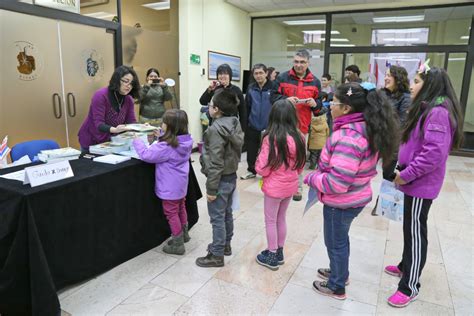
(111, 288)
(218, 297)
(185, 277)
(356, 290)
(299, 300)
(150, 300)
(245, 271)
(462, 293)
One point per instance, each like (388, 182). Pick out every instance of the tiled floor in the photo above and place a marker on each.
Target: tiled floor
(158, 284)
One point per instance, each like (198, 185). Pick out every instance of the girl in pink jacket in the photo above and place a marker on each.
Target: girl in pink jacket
(279, 164)
(364, 127)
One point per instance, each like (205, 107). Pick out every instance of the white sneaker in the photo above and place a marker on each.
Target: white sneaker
(248, 175)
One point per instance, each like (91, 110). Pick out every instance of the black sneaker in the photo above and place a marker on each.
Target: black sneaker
(325, 273)
(210, 261)
(227, 250)
(280, 257)
(268, 259)
(322, 288)
(298, 196)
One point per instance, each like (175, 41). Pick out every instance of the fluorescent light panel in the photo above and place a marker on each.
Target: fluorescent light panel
(100, 15)
(465, 37)
(412, 39)
(399, 31)
(337, 39)
(396, 19)
(320, 32)
(157, 5)
(305, 22)
(342, 45)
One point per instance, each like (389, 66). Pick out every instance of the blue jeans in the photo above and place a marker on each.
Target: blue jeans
(337, 223)
(220, 213)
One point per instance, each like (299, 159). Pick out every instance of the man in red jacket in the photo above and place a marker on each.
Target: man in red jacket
(301, 88)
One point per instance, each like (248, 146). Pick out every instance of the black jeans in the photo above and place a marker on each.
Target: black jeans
(253, 141)
(415, 243)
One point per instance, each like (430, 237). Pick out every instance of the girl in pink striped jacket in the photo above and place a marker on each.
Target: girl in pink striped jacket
(280, 161)
(364, 127)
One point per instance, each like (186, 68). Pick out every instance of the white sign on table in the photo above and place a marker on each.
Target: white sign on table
(47, 173)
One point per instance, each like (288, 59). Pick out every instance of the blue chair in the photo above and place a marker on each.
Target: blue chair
(32, 148)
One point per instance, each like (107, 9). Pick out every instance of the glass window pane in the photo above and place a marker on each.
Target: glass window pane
(469, 116)
(100, 9)
(456, 64)
(336, 68)
(435, 26)
(275, 40)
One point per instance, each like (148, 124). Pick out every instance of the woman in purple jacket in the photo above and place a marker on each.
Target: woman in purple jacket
(110, 108)
(433, 128)
(171, 155)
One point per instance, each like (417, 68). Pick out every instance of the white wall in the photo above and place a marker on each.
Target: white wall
(207, 25)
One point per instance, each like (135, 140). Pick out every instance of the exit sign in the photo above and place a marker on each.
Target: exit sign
(195, 59)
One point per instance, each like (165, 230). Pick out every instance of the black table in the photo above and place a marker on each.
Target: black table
(64, 232)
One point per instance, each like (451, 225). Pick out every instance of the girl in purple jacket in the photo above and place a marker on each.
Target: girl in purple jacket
(432, 129)
(171, 155)
(280, 162)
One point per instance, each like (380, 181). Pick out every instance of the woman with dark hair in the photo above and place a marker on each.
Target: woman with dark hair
(271, 73)
(224, 78)
(152, 98)
(111, 107)
(433, 127)
(365, 129)
(397, 90)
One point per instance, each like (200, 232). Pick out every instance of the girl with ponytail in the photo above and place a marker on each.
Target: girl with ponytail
(364, 127)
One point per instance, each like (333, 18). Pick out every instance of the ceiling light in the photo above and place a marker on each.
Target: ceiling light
(320, 32)
(337, 39)
(342, 45)
(457, 59)
(294, 45)
(411, 39)
(305, 22)
(396, 19)
(100, 15)
(465, 37)
(400, 31)
(157, 5)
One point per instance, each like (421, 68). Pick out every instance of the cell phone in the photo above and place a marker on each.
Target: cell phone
(155, 80)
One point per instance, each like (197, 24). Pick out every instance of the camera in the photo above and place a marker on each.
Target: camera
(155, 80)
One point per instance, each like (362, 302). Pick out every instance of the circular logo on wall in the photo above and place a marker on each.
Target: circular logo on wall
(92, 67)
(29, 61)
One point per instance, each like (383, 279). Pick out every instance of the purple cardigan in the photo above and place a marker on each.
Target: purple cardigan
(172, 165)
(101, 112)
(424, 155)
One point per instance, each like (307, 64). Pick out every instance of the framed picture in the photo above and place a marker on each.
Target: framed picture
(215, 59)
(89, 3)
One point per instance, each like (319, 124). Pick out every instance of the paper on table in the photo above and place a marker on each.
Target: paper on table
(17, 175)
(112, 159)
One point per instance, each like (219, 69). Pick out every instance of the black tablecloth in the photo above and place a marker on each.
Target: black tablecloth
(64, 232)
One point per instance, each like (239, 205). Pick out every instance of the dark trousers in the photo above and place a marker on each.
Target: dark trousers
(314, 157)
(337, 223)
(252, 141)
(415, 243)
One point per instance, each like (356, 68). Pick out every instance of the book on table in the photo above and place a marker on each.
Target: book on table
(141, 127)
(111, 159)
(108, 148)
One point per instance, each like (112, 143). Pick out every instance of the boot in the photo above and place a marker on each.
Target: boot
(185, 235)
(176, 247)
(227, 250)
(210, 261)
(268, 259)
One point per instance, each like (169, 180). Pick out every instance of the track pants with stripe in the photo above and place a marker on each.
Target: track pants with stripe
(415, 235)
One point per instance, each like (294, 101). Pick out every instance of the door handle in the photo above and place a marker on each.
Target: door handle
(71, 113)
(57, 110)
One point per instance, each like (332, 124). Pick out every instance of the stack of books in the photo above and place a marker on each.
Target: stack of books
(54, 155)
(108, 148)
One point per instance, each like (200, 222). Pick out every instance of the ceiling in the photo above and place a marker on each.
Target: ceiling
(292, 6)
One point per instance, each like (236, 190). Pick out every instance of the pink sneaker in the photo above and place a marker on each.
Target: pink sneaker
(398, 299)
(393, 270)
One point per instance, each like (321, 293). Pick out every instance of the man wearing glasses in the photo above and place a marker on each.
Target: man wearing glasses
(301, 88)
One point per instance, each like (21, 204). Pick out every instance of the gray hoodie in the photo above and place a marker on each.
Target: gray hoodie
(222, 148)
